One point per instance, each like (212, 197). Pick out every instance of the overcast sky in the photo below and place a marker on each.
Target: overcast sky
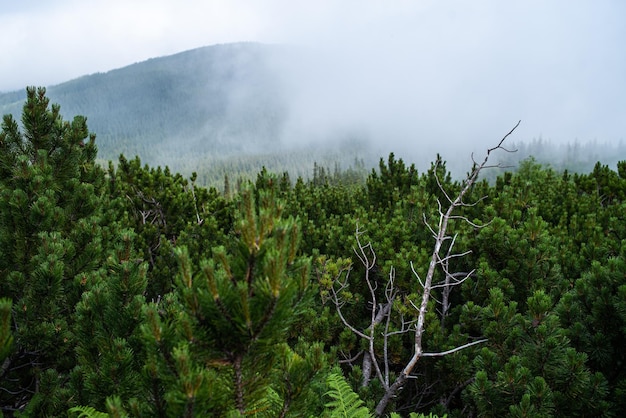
(450, 69)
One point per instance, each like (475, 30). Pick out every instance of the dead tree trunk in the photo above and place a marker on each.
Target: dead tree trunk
(382, 311)
(440, 234)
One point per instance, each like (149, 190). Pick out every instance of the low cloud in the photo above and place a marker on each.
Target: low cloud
(456, 76)
(404, 75)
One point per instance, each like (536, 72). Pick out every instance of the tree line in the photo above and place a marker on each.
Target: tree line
(131, 290)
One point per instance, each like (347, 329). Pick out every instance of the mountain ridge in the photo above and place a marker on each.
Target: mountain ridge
(227, 108)
(210, 100)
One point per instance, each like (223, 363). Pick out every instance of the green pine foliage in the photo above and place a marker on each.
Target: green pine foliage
(233, 313)
(109, 349)
(6, 336)
(137, 292)
(166, 210)
(52, 237)
(593, 312)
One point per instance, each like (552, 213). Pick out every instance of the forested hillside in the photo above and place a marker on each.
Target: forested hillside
(225, 110)
(212, 100)
(133, 291)
(214, 110)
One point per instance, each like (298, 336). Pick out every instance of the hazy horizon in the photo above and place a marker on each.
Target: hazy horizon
(425, 76)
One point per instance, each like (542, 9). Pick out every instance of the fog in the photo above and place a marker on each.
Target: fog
(414, 77)
(454, 77)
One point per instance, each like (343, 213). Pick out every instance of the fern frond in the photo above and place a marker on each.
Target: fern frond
(86, 412)
(345, 403)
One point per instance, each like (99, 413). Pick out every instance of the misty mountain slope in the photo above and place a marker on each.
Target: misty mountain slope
(219, 100)
(234, 108)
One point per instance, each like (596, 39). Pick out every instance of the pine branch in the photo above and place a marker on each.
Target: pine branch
(454, 350)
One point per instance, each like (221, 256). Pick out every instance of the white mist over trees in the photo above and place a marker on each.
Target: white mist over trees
(414, 78)
(238, 107)
(443, 74)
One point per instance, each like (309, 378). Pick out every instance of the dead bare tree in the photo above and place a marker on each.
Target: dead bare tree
(381, 311)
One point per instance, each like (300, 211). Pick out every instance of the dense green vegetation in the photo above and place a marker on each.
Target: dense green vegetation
(134, 291)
